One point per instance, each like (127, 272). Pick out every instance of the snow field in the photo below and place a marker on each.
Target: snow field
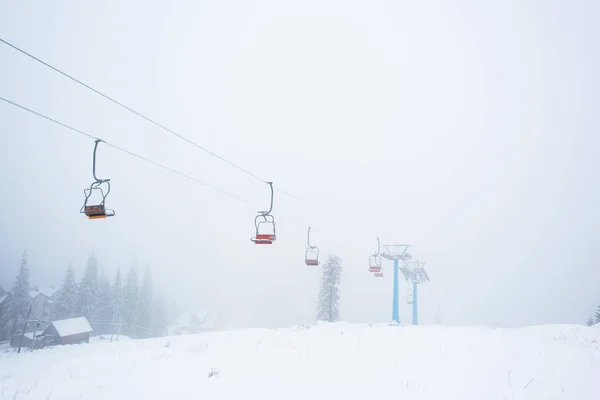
(322, 361)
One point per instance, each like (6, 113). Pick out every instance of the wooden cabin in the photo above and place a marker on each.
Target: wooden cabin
(68, 331)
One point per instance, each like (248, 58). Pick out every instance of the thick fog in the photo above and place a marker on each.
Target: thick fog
(468, 130)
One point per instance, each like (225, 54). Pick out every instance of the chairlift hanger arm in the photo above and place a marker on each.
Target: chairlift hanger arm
(97, 210)
(308, 238)
(271, 206)
(94, 163)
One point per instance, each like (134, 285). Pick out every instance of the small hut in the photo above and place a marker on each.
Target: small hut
(69, 331)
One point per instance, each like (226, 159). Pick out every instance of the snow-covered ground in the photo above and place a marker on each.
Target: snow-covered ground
(323, 361)
(106, 338)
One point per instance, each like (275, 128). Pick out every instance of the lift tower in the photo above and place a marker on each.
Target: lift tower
(396, 253)
(414, 272)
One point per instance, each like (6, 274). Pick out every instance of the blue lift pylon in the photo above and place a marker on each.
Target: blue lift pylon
(396, 253)
(415, 274)
(415, 310)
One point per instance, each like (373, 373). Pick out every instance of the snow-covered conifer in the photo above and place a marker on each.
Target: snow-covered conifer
(88, 289)
(146, 304)
(328, 308)
(131, 302)
(65, 305)
(19, 301)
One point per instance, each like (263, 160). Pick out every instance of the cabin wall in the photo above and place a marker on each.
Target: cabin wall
(78, 338)
(50, 335)
(16, 340)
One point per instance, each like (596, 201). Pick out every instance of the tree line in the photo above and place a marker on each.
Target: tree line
(592, 320)
(129, 306)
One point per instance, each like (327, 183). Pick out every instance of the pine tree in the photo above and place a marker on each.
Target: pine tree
(117, 303)
(329, 294)
(160, 316)
(590, 321)
(19, 303)
(145, 304)
(598, 315)
(88, 289)
(67, 298)
(2, 291)
(131, 302)
(104, 308)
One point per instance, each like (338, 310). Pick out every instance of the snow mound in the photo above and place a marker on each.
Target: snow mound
(321, 361)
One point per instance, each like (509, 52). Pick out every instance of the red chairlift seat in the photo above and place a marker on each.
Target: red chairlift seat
(94, 212)
(267, 221)
(375, 268)
(311, 257)
(263, 238)
(374, 263)
(97, 211)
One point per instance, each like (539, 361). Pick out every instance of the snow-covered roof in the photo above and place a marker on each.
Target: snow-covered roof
(48, 292)
(72, 326)
(202, 319)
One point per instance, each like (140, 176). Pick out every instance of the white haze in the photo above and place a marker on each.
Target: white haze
(466, 129)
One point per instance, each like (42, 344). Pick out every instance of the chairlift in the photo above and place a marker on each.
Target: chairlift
(378, 274)
(311, 257)
(265, 228)
(375, 261)
(100, 186)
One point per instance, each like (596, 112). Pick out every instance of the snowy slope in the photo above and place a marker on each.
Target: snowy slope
(324, 361)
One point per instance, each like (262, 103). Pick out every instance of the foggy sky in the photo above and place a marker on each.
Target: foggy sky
(466, 129)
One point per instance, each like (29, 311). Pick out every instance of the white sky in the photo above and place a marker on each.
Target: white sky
(466, 129)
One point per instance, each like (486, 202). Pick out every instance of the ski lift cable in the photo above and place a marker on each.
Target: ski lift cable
(125, 150)
(133, 154)
(143, 116)
(155, 123)
(285, 216)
